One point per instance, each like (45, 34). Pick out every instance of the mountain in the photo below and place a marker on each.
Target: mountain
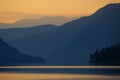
(97, 31)
(94, 32)
(13, 33)
(11, 56)
(5, 25)
(59, 20)
(72, 43)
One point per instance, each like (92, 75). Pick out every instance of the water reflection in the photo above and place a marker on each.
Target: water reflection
(71, 67)
(59, 73)
(16, 76)
(106, 70)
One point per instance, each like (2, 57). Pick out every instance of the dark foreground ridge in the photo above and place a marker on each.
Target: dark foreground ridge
(11, 56)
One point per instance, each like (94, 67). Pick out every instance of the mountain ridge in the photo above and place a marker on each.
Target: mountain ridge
(72, 43)
(57, 21)
(12, 33)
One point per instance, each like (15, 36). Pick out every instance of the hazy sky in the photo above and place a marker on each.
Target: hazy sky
(12, 10)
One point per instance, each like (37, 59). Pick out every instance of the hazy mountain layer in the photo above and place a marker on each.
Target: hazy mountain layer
(39, 21)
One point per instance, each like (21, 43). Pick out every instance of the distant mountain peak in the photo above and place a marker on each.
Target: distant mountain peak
(109, 9)
(112, 6)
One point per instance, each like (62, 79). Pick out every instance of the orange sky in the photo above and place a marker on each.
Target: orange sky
(12, 10)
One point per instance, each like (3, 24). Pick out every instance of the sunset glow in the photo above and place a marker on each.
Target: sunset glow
(16, 9)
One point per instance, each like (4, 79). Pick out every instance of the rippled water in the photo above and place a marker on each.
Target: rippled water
(60, 73)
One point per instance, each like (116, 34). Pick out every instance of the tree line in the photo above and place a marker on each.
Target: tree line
(106, 56)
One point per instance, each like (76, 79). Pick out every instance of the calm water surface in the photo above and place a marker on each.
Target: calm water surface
(60, 73)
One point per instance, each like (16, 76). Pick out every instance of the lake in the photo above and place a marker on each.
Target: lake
(60, 73)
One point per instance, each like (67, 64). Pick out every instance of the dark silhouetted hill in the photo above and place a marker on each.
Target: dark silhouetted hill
(106, 56)
(11, 56)
(72, 43)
